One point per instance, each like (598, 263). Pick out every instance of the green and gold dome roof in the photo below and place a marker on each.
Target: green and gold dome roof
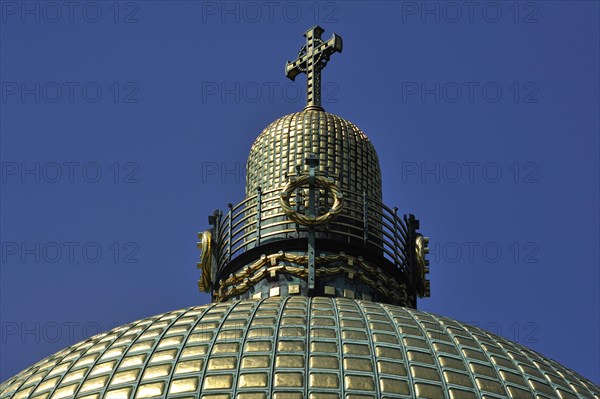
(314, 285)
(293, 348)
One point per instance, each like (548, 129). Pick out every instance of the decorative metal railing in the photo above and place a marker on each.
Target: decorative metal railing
(363, 221)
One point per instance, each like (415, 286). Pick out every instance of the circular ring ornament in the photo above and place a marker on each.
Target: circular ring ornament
(309, 220)
(205, 260)
(421, 251)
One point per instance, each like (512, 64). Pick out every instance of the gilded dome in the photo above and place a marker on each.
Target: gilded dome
(297, 347)
(310, 338)
(344, 152)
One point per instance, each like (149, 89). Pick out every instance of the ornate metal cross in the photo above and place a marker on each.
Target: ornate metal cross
(312, 58)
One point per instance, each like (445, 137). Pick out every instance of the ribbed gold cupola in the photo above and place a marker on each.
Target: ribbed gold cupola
(343, 150)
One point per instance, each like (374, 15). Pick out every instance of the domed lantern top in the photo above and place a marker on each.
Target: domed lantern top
(313, 222)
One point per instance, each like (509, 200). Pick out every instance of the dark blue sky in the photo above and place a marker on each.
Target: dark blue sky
(123, 125)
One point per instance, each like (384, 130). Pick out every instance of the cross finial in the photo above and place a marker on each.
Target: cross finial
(312, 58)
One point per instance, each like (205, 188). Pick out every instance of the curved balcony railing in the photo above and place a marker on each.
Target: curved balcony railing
(364, 221)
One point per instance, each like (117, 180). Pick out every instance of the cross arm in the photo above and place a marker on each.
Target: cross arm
(293, 69)
(335, 44)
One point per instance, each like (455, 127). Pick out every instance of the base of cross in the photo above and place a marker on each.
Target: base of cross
(313, 108)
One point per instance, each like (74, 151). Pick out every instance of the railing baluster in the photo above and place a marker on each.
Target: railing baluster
(298, 199)
(396, 260)
(229, 238)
